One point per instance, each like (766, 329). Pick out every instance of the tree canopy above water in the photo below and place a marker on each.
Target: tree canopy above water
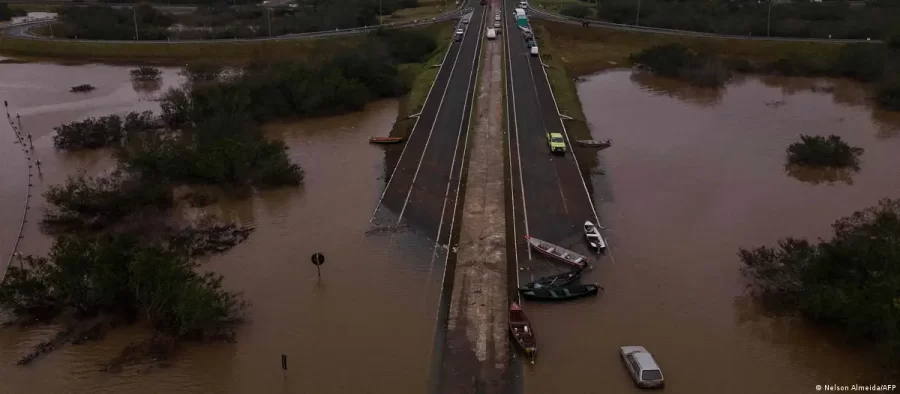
(819, 151)
(851, 281)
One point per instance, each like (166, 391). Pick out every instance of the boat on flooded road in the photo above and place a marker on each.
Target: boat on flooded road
(553, 281)
(385, 140)
(593, 236)
(562, 293)
(557, 252)
(522, 331)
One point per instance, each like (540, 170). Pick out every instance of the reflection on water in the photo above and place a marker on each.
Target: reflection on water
(703, 97)
(816, 176)
(365, 326)
(692, 179)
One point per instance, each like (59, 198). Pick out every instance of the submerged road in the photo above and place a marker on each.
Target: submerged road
(548, 195)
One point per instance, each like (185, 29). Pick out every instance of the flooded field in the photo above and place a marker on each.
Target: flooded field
(693, 175)
(365, 327)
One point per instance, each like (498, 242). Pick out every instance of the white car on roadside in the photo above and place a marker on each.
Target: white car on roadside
(642, 367)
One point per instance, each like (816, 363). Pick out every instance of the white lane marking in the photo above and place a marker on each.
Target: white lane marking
(512, 96)
(416, 123)
(566, 135)
(431, 131)
(475, 70)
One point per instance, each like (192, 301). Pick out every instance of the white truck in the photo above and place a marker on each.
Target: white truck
(491, 33)
(520, 12)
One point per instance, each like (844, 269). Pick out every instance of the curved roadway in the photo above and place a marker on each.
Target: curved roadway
(618, 26)
(20, 31)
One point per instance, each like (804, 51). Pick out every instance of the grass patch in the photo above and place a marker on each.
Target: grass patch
(586, 50)
(562, 84)
(224, 52)
(425, 10)
(30, 7)
(422, 76)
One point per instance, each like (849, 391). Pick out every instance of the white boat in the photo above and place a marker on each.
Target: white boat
(558, 253)
(593, 236)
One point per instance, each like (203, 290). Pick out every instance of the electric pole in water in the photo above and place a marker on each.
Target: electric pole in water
(637, 17)
(134, 13)
(769, 21)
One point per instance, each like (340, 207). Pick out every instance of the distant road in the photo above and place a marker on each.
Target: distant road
(21, 31)
(686, 33)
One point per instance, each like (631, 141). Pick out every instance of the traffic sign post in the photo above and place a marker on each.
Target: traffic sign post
(318, 259)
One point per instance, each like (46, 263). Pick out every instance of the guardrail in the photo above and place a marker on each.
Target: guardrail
(337, 32)
(658, 30)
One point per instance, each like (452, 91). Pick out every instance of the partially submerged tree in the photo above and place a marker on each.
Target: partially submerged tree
(819, 151)
(851, 281)
(117, 274)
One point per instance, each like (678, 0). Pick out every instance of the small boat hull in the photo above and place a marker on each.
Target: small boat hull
(553, 281)
(593, 236)
(558, 253)
(562, 293)
(385, 140)
(594, 144)
(522, 331)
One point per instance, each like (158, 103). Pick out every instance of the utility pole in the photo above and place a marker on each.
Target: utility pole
(134, 13)
(769, 21)
(269, 13)
(637, 17)
(380, 16)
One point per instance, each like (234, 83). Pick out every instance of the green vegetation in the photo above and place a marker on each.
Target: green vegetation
(701, 60)
(122, 276)
(850, 281)
(837, 19)
(96, 133)
(145, 73)
(221, 20)
(421, 76)
(819, 151)
(874, 63)
(677, 61)
(7, 13)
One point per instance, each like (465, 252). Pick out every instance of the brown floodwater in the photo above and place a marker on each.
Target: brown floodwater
(366, 327)
(693, 175)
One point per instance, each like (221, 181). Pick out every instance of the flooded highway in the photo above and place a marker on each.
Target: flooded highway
(367, 326)
(680, 192)
(692, 176)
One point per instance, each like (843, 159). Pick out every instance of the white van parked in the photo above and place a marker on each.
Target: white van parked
(491, 33)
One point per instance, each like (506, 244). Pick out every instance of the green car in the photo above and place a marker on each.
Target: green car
(556, 142)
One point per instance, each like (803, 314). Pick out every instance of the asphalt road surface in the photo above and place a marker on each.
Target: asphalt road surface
(548, 194)
(424, 184)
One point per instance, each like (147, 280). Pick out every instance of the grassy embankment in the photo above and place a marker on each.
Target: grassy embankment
(425, 10)
(574, 51)
(225, 52)
(422, 76)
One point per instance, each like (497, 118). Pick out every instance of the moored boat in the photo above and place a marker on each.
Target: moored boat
(594, 143)
(561, 293)
(557, 252)
(593, 236)
(385, 140)
(553, 281)
(522, 331)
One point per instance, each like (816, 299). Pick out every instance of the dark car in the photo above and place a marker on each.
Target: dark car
(458, 36)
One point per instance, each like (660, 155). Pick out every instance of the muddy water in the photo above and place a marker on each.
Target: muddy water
(692, 176)
(365, 327)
